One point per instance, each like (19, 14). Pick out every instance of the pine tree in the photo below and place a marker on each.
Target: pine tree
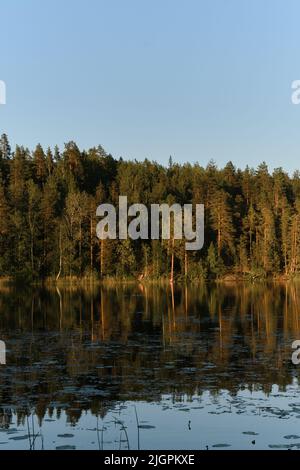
(40, 166)
(222, 222)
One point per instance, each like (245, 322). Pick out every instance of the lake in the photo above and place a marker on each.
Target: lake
(150, 367)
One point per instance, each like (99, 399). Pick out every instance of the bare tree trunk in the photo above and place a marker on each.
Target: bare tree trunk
(172, 262)
(185, 264)
(60, 255)
(80, 248)
(91, 244)
(31, 228)
(101, 257)
(31, 250)
(219, 237)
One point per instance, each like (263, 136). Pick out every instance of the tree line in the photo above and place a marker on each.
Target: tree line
(48, 201)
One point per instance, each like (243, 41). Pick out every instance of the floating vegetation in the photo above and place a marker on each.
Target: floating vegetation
(19, 438)
(146, 426)
(280, 446)
(66, 447)
(221, 445)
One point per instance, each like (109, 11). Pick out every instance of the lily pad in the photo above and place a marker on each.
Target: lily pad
(66, 448)
(19, 438)
(221, 445)
(280, 446)
(146, 426)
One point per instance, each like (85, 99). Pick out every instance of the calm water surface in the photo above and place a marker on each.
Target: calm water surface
(150, 368)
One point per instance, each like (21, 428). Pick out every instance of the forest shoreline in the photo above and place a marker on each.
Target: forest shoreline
(118, 281)
(48, 219)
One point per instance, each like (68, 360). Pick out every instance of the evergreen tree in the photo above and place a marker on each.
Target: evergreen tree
(48, 216)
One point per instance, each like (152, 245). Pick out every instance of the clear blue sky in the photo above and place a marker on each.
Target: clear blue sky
(195, 79)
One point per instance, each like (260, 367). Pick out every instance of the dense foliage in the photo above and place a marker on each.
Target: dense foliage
(48, 220)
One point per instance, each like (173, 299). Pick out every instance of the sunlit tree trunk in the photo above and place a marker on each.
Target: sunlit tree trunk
(172, 262)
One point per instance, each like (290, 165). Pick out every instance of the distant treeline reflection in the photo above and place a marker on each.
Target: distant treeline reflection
(87, 349)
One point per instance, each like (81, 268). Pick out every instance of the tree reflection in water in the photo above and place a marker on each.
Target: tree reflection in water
(75, 350)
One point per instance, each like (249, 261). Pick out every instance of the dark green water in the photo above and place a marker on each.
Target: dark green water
(150, 367)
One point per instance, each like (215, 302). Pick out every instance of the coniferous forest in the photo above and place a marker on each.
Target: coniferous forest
(48, 201)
